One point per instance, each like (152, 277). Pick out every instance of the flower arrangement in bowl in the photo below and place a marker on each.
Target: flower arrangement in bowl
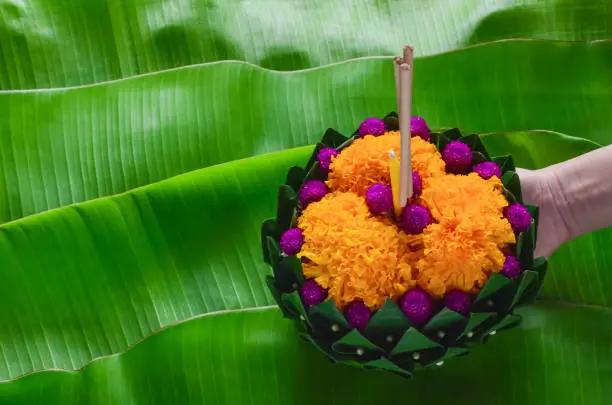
(381, 283)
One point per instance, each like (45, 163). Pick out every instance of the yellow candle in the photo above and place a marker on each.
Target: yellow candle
(394, 172)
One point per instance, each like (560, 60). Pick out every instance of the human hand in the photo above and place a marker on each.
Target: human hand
(575, 198)
(538, 187)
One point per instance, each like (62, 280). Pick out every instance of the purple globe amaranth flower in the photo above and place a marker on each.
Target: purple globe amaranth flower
(379, 199)
(357, 314)
(486, 170)
(418, 127)
(414, 219)
(518, 216)
(312, 191)
(512, 267)
(325, 156)
(458, 301)
(458, 157)
(417, 184)
(417, 305)
(312, 293)
(372, 126)
(291, 242)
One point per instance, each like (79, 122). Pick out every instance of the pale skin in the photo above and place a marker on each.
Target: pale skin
(575, 198)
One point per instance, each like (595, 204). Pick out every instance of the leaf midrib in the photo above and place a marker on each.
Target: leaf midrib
(292, 72)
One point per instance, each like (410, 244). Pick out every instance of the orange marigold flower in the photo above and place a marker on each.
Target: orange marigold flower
(355, 255)
(452, 195)
(366, 162)
(466, 245)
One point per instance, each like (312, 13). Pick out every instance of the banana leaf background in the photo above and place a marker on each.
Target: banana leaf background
(141, 146)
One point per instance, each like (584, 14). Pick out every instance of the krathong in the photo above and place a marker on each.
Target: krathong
(397, 264)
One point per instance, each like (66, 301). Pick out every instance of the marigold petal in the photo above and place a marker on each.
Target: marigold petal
(366, 162)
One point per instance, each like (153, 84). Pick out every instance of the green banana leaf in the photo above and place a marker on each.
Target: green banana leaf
(92, 279)
(56, 43)
(557, 356)
(65, 146)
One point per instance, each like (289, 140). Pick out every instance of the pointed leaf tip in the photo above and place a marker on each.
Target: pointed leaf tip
(512, 183)
(444, 319)
(333, 138)
(478, 323)
(505, 163)
(327, 320)
(387, 325)
(440, 141)
(355, 343)
(508, 322)
(392, 121)
(528, 280)
(496, 283)
(312, 160)
(413, 341)
(476, 145)
(540, 266)
(478, 157)
(293, 303)
(455, 352)
(453, 134)
(295, 178)
(288, 273)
